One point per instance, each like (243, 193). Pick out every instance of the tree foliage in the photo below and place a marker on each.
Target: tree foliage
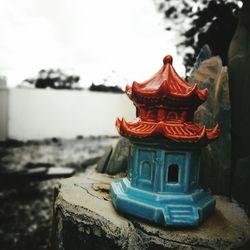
(54, 78)
(201, 22)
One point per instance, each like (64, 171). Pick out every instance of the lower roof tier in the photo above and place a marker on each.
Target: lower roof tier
(175, 131)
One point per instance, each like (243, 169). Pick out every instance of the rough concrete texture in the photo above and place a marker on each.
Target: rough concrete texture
(84, 218)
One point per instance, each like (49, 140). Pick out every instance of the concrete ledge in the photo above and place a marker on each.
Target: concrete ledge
(84, 218)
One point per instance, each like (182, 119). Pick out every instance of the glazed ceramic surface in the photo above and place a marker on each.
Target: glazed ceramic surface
(164, 156)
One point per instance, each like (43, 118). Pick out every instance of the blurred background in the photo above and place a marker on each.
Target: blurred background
(93, 39)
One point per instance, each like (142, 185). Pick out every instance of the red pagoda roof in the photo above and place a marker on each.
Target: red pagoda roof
(165, 105)
(166, 83)
(175, 131)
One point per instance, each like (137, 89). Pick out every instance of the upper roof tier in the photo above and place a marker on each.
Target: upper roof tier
(165, 105)
(166, 85)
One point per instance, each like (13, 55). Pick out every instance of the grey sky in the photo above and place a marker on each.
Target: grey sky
(91, 37)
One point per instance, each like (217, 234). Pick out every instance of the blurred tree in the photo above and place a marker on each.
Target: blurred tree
(54, 78)
(201, 22)
(104, 88)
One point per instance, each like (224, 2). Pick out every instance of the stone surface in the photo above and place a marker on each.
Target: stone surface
(204, 54)
(84, 218)
(118, 161)
(216, 157)
(241, 187)
(239, 77)
(103, 162)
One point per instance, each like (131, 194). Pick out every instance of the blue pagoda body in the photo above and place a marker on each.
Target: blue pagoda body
(162, 184)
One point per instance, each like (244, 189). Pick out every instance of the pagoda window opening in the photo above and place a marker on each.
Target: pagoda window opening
(152, 114)
(172, 116)
(173, 173)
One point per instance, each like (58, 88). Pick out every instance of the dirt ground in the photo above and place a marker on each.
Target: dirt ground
(26, 205)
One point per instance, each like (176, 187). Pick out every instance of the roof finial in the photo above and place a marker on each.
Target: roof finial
(168, 59)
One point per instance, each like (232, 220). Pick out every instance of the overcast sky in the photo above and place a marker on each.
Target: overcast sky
(90, 37)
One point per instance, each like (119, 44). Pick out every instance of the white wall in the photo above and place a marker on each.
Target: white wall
(38, 114)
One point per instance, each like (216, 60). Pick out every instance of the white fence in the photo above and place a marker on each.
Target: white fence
(39, 114)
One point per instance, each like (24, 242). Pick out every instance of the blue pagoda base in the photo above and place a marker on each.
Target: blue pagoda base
(177, 209)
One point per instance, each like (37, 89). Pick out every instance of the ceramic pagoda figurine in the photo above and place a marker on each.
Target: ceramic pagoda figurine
(164, 155)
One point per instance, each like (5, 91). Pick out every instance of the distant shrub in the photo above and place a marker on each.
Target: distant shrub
(104, 88)
(55, 79)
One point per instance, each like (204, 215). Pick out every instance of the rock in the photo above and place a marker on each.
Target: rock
(216, 157)
(103, 162)
(205, 116)
(208, 72)
(85, 219)
(89, 162)
(204, 54)
(239, 76)
(241, 183)
(239, 64)
(118, 161)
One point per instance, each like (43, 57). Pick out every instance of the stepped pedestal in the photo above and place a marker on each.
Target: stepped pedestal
(183, 209)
